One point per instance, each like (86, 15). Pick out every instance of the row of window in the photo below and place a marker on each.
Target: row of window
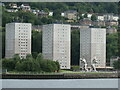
(23, 33)
(23, 30)
(23, 39)
(23, 45)
(23, 36)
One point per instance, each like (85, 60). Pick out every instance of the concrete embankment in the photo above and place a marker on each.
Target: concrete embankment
(62, 76)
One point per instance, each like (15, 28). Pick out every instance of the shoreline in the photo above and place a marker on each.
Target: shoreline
(62, 76)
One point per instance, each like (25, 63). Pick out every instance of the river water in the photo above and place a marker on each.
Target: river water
(60, 83)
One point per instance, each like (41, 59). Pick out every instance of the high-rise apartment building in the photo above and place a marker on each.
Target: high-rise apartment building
(93, 44)
(18, 39)
(56, 43)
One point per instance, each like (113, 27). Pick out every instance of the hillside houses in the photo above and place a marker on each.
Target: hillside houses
(25, 7)
(69, 16)
(107, 17)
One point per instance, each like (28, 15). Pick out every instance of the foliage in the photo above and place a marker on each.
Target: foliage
(85, 15)
(8, 64)
(37, 42)
(16, 57)
(21, 16)
(57, 8)
(93, 17)
(81, 17)
(116, 65)
(112, 45)
(30, 64)
(74, 68)
(75, 47)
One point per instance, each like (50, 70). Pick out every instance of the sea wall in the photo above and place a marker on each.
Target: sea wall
(62, 76)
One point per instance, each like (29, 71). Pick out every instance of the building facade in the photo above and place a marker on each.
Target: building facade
(37, 28)
(25, 7)
(71, 14)
(93, 44)
(86, 22)
(110, 30)
(18, 39)
(56, 43)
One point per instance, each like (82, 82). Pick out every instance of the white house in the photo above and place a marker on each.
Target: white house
(50, 13)
(25, 7)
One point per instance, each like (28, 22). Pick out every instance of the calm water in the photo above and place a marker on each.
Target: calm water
(60, 83)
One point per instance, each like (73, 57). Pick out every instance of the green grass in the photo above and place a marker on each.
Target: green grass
(67, 71)
(53, 73)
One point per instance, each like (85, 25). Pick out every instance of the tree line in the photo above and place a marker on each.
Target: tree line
(30, 64)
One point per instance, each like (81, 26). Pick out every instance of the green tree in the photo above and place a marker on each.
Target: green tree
(34, 54)
(58, 65)
(16, 57)
(75, 47)
(29, 56)
(18, 66)
(37, 41)
(85, 15)
(112, 46)
(57, 14)
(81, 17)
(39, 57)
(27, 17)
(8, 64)
(93, 17)
(2, 33)
(116, 65)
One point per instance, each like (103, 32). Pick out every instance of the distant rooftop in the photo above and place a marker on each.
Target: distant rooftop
(71, 11)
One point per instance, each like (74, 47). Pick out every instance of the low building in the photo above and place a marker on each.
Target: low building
(50, 13)
(14, 6)
(115, 17)
(111, 30)
(2, 4)
(78, 26)
(107, 17)
(35, 12)
(86, 22)
(37, 28)
(113, 59)
(99, 23)
(63, 14)
(70, 14)
(100, 18)
(43, 14)
(111, 23)
(89, 15)
(70, 21)
(11, 10)
(25, 7)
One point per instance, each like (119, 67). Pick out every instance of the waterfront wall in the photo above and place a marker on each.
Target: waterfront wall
(62, 76)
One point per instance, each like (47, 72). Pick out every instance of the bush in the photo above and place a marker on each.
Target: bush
(75, 68)
(30, 64)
